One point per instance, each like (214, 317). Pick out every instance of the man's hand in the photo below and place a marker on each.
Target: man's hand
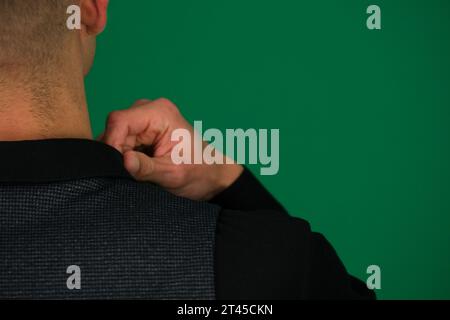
(143, 135)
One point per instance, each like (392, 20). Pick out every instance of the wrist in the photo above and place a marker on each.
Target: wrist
(227, 174)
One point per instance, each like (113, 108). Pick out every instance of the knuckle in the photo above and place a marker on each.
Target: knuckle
(115, 117)
(164, 101)
(141, 102)
(168, 105)
(178, 175)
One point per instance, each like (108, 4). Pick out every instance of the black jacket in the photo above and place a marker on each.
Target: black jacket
(71, 202)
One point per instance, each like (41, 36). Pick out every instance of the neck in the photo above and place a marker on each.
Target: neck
(43, 108)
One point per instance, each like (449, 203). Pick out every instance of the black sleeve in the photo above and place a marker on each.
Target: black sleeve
(247, 193)
(329, 278)
(262, 254)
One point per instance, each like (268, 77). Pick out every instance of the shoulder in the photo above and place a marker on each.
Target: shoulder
(262, 255)
(270, 255)
(145, 198)
(147, 212)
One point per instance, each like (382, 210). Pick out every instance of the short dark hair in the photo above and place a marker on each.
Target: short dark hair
(32, 29)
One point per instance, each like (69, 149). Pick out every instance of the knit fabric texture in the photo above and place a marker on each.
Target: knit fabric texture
(130, 240)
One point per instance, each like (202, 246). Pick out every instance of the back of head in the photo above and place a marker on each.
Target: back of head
(32, 32)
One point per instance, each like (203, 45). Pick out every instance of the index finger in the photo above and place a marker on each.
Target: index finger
(128, 123)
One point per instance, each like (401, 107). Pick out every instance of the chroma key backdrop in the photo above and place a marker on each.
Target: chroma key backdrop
(363, 113)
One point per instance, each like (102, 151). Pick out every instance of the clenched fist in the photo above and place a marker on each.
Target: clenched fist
(143, 134)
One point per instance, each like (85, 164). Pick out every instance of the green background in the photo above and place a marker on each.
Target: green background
(363, 115)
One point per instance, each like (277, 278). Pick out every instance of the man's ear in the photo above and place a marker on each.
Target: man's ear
(93, 15)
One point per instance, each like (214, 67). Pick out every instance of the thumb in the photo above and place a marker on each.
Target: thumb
(140, 166)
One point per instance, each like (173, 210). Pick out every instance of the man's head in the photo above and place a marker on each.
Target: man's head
(34, 35)
(42, 67)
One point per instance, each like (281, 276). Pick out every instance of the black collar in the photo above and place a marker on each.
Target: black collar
(58, 160)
